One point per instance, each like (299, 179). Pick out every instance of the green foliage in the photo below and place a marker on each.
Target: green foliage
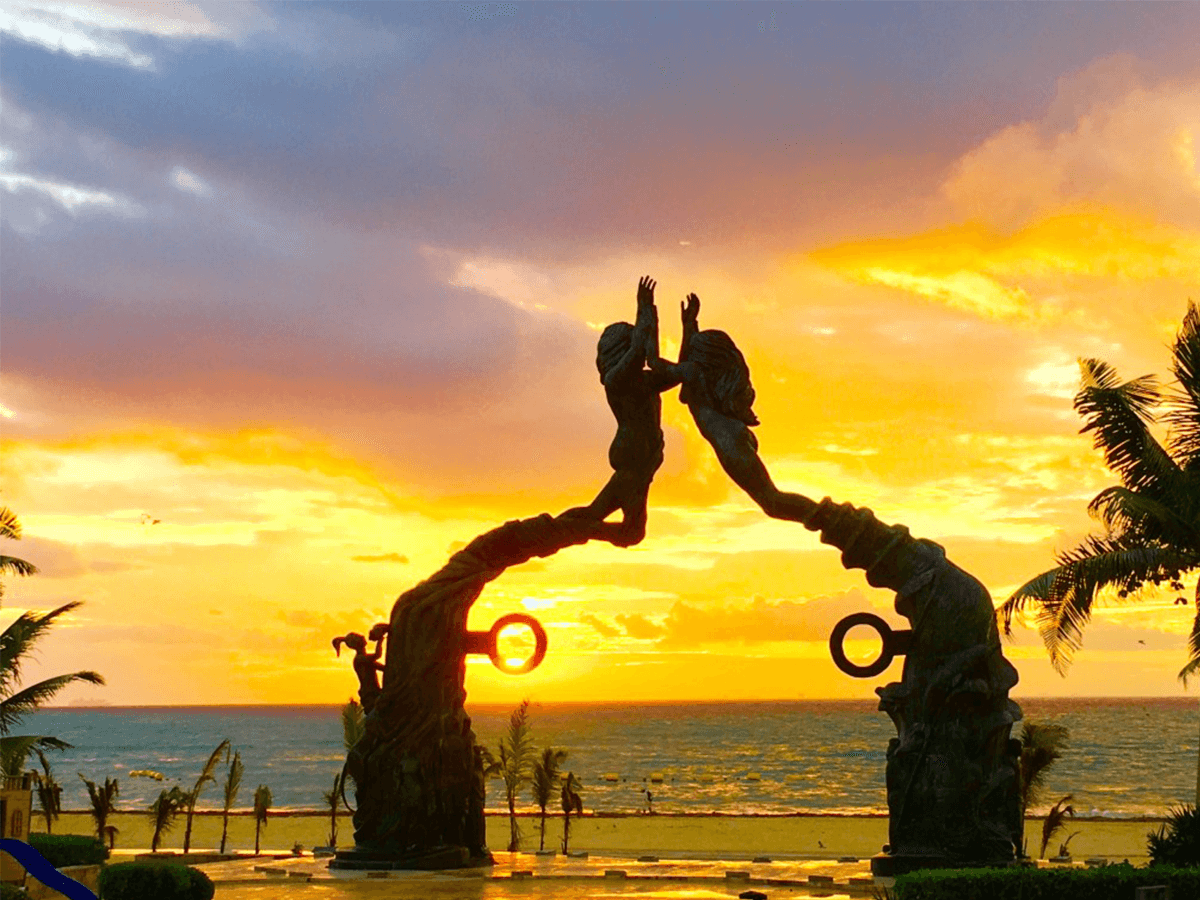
(206, 775)
(12, 892)
(103, 801)
(1177, 843)
(233, 783)
(546, 779)
(163, 812)
(48, 792)
(516, 760)
(571, 803)
(69, 849)
(262, 803)
(1026, 883)
(154, 881)
(1151, 519)
(17, 643)
(354, 723)
(1042, 745)
(1055, 821)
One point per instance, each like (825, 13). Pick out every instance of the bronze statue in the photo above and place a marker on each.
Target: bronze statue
(953, 780)
(366, 665)
(952, 773)
(632, 391)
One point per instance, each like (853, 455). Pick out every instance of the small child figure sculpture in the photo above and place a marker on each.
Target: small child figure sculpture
(632, 391)
(366, 665)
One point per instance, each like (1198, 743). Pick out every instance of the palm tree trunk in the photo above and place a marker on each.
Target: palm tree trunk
(257, 826)
(513, 840)
(224, 829)
(566, 830)
(542, 845)
(187, 832)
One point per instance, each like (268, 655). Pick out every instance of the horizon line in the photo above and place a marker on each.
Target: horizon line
(615, 702)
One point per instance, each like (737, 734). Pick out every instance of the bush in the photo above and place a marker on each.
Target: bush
(11, 892)
(154, 881)
(1022, 883)
(1177, 843)
(69, 849)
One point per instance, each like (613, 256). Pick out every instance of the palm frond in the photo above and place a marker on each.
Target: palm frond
(546, 775)
(262, 802)
(1130, 513)
(1064, 596)
(353, 723)
(10, 526)
(1193, 663)
(1042, 744)
(210, 767)
(20, 637)
(14, 565)
(1120, 415)
(1056, 818)
(30, 699)
(15, 750)
(233, 780)
(1183, 418)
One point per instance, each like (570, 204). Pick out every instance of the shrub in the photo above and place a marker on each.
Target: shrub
(11, 892)
(1177, 843)
(69, 849)
(154, 881)
(1021, 883)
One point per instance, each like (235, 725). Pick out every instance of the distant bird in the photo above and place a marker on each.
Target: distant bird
(148, 519)
(1141, 642)
(821, 844)
(1181, 601)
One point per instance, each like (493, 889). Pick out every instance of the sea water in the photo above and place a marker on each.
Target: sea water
(1126, 757)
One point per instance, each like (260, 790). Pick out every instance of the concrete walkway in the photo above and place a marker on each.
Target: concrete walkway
(530, 875)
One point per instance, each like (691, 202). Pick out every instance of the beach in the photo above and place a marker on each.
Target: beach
(701, 836)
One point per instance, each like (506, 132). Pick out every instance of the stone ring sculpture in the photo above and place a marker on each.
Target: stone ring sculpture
(895, 643)
(487, 643)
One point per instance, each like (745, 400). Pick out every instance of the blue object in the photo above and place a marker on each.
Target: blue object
(37, 865)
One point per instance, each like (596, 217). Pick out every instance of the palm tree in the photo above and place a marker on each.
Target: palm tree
(49, 792)
(1041, 747)
(516, 756)
(262, 803)
(571, 802)
(354, 723)
(233, 781)
(546, 778)
(16, 645)
(1056, 820)
(190, 797)
(12, 565)
(1151, 519)
(331, 798)
(163, 812)
(103, 805)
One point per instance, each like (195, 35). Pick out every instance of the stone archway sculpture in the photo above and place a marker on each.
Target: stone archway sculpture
(952, 774)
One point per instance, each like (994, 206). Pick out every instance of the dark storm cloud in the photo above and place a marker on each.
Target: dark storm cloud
(554, 127)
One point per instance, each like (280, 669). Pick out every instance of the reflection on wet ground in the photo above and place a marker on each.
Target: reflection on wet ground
(522, 875)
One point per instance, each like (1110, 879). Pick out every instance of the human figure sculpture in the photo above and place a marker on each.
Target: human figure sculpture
(366, 665)
(632, 391)
(953, 780)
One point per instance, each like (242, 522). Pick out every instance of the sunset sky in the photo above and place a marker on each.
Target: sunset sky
(319, 286)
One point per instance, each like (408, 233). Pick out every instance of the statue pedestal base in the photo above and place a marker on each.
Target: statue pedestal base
(438, 858)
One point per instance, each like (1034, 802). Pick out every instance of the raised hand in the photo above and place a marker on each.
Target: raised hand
(645, 294)
(690, 312)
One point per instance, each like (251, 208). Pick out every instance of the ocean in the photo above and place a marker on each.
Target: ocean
(1126, 758)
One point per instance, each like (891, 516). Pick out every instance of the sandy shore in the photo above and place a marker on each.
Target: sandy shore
(694, 836)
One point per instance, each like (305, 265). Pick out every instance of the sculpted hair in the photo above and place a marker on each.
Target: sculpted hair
(725, 373)
(613, 344)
